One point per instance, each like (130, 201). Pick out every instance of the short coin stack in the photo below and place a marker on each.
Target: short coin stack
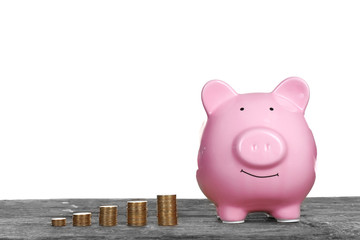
(82, 219)
(58, 222)
(166, 210)
(136, 213)
(108, 215)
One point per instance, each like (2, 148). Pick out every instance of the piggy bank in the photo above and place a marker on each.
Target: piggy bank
(257, 153)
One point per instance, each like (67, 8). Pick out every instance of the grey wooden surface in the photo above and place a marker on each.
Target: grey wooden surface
(321, 218)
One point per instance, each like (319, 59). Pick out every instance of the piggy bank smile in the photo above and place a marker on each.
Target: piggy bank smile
(253, 175)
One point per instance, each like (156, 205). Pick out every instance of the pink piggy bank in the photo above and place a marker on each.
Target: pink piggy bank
(257, 153)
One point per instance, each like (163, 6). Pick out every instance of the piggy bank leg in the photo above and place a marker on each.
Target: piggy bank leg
(230, 214)
(287, 214)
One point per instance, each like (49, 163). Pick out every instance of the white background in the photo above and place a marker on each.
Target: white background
(102, 98)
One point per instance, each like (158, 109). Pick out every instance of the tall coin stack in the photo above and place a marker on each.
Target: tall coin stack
(82, 219)
(108, 215)
(166, 210)
(136, 213)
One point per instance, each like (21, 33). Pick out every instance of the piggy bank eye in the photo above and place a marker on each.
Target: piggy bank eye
(271, 109)
(242, 109)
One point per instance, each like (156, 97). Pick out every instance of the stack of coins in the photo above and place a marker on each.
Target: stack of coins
(166, 210)
(136, 213)
(58, 222)
(108, 215)
(82, 219)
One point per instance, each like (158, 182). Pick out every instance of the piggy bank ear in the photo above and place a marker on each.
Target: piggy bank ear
(214, 93)
(295, 90)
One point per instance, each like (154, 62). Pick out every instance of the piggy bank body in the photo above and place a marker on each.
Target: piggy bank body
(257, 152)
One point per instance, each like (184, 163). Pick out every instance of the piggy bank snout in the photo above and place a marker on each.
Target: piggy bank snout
(260, 147)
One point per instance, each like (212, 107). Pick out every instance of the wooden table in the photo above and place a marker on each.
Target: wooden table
(321, 218)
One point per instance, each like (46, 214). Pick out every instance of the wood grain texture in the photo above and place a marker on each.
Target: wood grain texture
(321, 218)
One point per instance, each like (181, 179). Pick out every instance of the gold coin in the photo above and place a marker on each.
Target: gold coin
(58, 222)
(137, 213)
(82, 219)
(166, 210)
(108, 215)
